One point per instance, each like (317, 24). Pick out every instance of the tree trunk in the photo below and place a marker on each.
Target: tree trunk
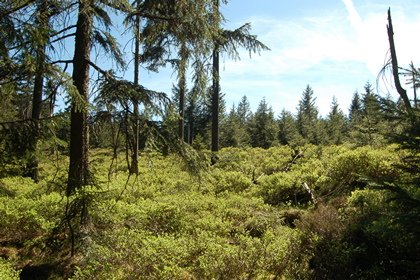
(215, 102)
(43, 20)
(182, 86)
(79, 130)
(181, 122)
(135, 156)
(401, 91)
(215, 95)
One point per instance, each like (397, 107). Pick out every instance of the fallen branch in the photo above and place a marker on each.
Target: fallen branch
(310, 193)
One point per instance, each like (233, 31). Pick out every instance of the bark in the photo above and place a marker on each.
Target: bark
(181, 122)
(79, 131)
(215, 102)
(401, 91)
(135, 156)
(43, 20)
(215, 96)
(182, 85)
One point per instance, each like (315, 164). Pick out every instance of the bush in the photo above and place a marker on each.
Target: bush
(7, 271)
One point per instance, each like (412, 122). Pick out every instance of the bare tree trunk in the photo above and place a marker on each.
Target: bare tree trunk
(401, 91)
(79, 130)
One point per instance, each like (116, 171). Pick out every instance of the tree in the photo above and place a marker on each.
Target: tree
(79, 132)
(244, 117)
(235, 130)
(370, 125)
(336, 123)
(395, 70)
(29, 68)
(42, 19)
(288, 130)
(186, 27)
(263, 129)
(355, 110)
(229, 131)
(228, 42)
(307, 116)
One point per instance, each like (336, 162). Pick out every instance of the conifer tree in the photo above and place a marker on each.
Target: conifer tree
(355, 110)
(228, 42)
(288, 130)
(235, 129)
(263, 128)
(336, 124)
(307, 116)
(370, 125)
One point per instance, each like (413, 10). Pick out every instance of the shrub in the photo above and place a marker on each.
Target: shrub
(7, 271)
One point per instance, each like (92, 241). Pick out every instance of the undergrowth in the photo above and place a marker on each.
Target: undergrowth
(249, 217)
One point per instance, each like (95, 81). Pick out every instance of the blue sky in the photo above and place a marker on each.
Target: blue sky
(335, 46)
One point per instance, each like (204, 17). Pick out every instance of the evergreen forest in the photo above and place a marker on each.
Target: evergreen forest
(120, 181)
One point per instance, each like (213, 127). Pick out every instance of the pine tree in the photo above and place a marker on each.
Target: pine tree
(355, 110)
(371, 116)
(263, 128)
(244, 111)
(235, 130)
(336, 124)
(307, 116)
(79, 131)
(228, 42)
(288, 130)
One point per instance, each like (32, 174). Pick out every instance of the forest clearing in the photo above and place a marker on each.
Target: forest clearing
(103, 178)
(246, 217)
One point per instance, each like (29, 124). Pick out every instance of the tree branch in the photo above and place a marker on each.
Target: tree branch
(62, 61)
(63, 37)
(11, 11)
(64, 30)
(107, 74)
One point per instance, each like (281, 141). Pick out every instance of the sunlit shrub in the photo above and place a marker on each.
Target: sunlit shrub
(232, 181)
(24, 219)
(282, 188)
(7, 271)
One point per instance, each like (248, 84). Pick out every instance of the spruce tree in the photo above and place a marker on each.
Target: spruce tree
(288, 130)
(263, 128)
(355, 110)
(336, 124)
(307, 116)
(370, 125)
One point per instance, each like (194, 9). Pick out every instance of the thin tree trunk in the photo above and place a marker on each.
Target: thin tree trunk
(414, 84)
(79, 130)
(215, 95)
(182, 84)
(135, 156)
(215, 102)
(181, 123)
(43, 20)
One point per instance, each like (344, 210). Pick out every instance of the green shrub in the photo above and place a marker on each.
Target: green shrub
(281, 188)
(7, 271)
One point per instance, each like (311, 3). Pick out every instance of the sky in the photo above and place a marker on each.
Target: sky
(335, 46)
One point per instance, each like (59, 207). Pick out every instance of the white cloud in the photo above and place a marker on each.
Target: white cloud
(353, 15)
(335, 54)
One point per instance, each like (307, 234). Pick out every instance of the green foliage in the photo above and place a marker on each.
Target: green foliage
(240, 220)
(263, 129)
(307, 116)
(7, 271)
(29, 213)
